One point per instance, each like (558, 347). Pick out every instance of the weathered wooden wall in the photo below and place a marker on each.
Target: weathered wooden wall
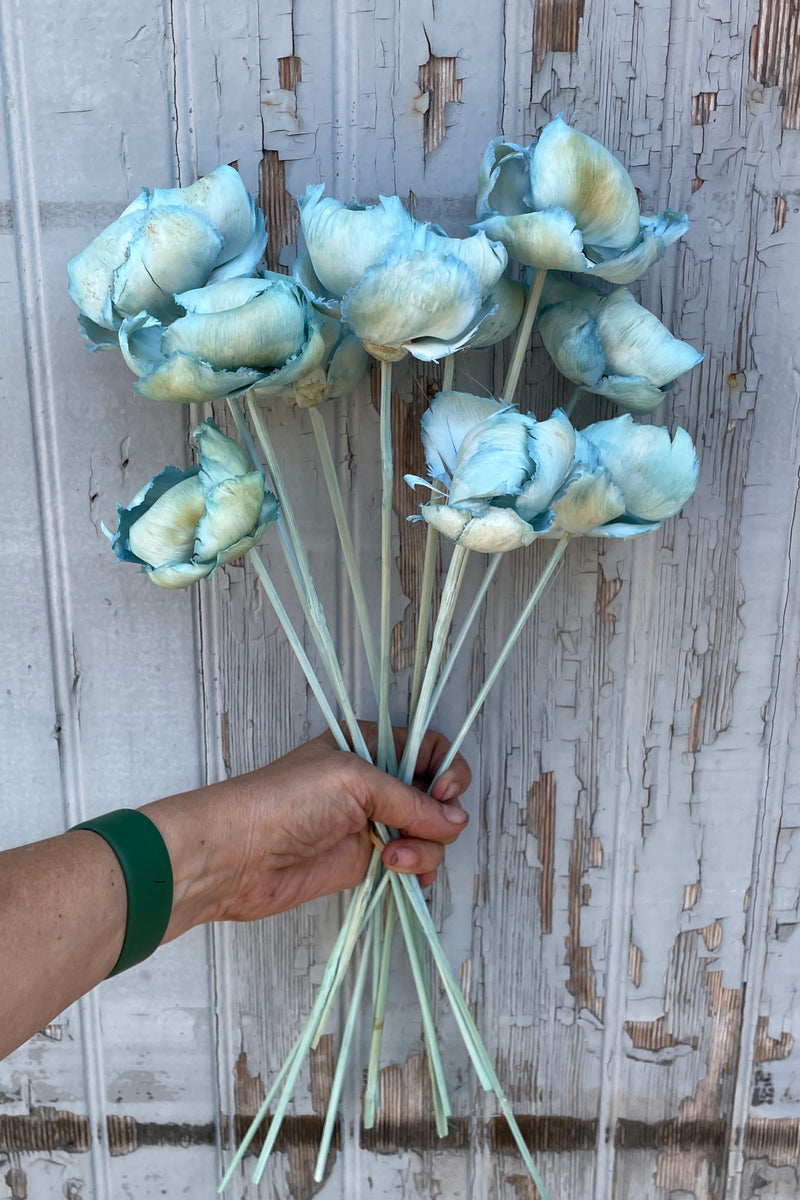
(624, 908)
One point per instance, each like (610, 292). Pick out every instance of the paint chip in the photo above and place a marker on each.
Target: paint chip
(774, 60)
(437, 80)
(703, 105)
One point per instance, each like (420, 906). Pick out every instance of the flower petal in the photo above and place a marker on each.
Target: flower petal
(548, 239)
(140, 342)
(552, 448)
(229, 293)
(416, 295)
(655, 474)
(296, 368)
(179, 575)
(231, 512)
(91, 272)
(657, 233)
(494, 458)
(261, 334)
(220, 457)
(503, 180)
(347, 367)
(571, 339)
(445, 425)
(633, 392)
(184, 380)
(588, 501)
(172, 250)
(304, 275)
(449, 521)
(343, 240)
(432, 349)
(572, 171)
(498, 530)
(636, 343)
(486, 259)
(165, 532)
(509, 300)
(222, 199)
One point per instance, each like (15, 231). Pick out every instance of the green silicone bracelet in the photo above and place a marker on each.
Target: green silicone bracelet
(147, 869)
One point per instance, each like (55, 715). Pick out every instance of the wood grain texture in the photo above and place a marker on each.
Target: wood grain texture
(624, 908)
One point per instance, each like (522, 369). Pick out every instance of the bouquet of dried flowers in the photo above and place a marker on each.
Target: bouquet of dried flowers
(174, 284)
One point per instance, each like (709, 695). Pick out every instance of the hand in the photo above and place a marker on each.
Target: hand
(297, 829)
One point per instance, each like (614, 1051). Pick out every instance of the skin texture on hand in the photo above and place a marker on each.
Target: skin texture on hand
(243, 849)
(299, 828)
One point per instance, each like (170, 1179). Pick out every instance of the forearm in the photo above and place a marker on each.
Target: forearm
(64, 908)
(63, 904)
(239, 850)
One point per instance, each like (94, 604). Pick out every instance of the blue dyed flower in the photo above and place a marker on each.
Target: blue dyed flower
(567, 204)
(500, 468)
(235, 335)
(404, 287)
(183, 524)
(166, 241)
(625, 480)
(610, 345)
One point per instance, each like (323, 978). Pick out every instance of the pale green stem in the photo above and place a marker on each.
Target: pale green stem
(530, 604)
(573, 400)
(463, 632)
(448, 373)
(246, 438)
(423, 614)
(452, 584)
(523, 336)
(442, 1108)
(334, 974)
(327, 980)
(341, 1064)
(376, 934)
(469, 1031)
(310, 599)
(297, 646)
(477, 1051)
(387, 511)
(356, 918)
(435, 1065)
(372, 1095)
(325, 646)
(441, 1099)
(346, 542)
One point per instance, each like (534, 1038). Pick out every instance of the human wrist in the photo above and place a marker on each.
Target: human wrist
(189, 825)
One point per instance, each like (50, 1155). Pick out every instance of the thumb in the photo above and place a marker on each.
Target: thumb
(402, 807)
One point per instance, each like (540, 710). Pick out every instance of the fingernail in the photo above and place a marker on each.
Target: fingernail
(404, 857)
(447, 788)
(455, 815)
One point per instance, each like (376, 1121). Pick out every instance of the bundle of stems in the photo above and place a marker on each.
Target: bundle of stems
(384, 898)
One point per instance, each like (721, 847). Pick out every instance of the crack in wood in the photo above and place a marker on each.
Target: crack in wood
(283, 220)
(409, 457)
(541, 820)
(774, 60)
(703, 105)
(582, 982)
(556, 27)
(437, 80)
(290, 72)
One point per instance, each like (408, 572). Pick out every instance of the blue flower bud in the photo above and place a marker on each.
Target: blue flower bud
(167, 241)
(183, 524)
(567, 204)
